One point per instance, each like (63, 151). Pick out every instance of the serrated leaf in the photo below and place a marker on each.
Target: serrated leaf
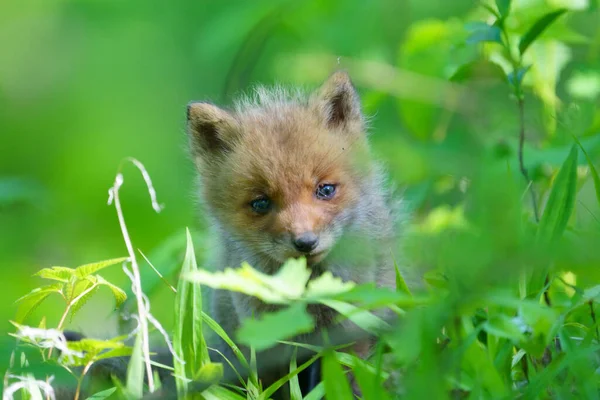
(61, 274)
(33, 299)
(119, 294)
(538, 27)
(53, 288)
(482, 32)
(88, 269)
(103, 394)
(94, 345)
(272, 327)
(336, 382)
(82, 300)
(120, 352)
(287, 284)
(188, 338)
(327, 286)
(135, 370)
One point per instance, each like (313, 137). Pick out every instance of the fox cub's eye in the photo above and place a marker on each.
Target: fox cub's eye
(325, 192)
(261, 205)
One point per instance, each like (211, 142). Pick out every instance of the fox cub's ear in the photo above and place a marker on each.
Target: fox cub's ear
(211, 129)
(338, 102)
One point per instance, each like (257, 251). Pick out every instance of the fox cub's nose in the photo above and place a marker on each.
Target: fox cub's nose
(306, 242)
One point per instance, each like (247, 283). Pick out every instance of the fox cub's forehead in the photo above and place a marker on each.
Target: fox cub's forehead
(290, 139)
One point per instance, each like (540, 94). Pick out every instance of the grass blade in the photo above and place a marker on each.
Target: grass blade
(188, 338)
(336, 383)
(135, 370)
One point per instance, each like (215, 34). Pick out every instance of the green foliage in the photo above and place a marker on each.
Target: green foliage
(188, 338)
(76, 287)
(460, 92)
(538, 28)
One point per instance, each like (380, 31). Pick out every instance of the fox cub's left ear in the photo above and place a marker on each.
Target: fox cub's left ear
(212, 130)
(338, 102)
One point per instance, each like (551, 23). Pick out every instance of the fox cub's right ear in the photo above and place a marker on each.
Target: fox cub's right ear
(212, 130)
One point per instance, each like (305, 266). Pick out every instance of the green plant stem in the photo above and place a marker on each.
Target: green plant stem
(593, 315)
(60, 325)
(522, 168)
(80, 380)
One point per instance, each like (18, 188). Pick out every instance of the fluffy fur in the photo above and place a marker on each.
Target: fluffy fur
(282, 145)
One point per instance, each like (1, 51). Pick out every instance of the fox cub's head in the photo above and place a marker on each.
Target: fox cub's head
(283, 174)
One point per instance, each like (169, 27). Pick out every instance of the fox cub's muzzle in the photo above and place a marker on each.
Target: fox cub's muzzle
(306, 242)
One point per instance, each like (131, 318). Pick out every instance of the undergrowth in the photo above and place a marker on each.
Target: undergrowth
(508, 308)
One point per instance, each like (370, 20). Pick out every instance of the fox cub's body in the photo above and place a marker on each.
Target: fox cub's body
(286, 175)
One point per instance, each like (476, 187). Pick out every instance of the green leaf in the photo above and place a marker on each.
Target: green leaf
(503, 326)
(293, 374)
(212, 324)
(81, 301)
(503, 7)
(208, 375)
(289, 283)
(61, 274)
(220, 393)
(327, 286)
(336, 383)
(118, 293)
(370, 296)
(364, 319)
(482, 32)
(560, 202)
(401, 285)
(370, 383)
(538, 27)
(103, 394)
(188, 338)
(593, 169)
(317, 393)
(295, 391)
(135, 370)
(88, 269)
(120, 352)
(33, 299)
(272, 327)
(479, 70)
(75, 287)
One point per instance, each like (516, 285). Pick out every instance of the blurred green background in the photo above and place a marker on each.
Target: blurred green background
(85, 83)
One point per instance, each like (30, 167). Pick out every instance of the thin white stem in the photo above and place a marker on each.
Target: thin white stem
(138, 283)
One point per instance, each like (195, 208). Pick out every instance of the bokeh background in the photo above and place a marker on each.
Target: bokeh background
(86, 83)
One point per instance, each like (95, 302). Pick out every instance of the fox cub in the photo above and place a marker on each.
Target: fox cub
(284, 174)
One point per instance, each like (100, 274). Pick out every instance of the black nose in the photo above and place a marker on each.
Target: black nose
(306, 242)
